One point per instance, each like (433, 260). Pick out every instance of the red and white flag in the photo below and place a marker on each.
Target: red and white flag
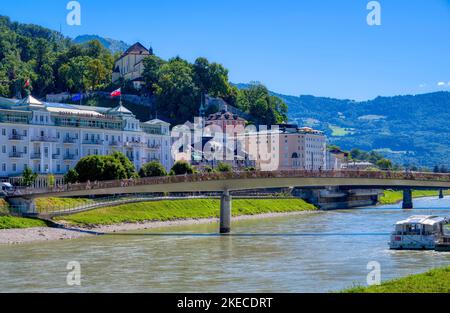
(27, 83)
(116, 93)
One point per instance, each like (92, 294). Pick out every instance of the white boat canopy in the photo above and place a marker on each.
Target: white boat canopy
(422, 219)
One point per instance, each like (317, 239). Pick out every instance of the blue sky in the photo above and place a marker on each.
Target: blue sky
(318, 47)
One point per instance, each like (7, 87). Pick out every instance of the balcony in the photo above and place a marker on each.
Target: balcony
(16, 137)
(69, 157)
(153, 146)
(97, 142)
(44, 139)
(69, 140)
(56, 156)
(16, 155)
(35, 156)
(114, 143)
(134, 144)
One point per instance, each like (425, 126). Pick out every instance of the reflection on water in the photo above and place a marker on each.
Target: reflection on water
(135, 263)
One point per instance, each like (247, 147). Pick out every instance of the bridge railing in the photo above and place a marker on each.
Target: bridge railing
(235, 175)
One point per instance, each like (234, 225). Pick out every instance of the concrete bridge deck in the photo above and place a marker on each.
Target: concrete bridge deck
(217, 182)
(227, 182)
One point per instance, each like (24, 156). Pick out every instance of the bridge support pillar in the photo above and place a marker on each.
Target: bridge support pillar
(407, 199)
(225, 213)
(441, 194)
(22, 205)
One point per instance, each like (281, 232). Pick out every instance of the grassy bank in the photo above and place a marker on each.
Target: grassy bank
(56, 204)
(183, 209)
(9, 222)
(434, 281)
(3, 206)
(393, 197)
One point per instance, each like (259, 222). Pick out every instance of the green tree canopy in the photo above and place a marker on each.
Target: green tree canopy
(258, 102)
(152, 169)
(181, 168)
(102, 167)
(224, 167)
(28, 177)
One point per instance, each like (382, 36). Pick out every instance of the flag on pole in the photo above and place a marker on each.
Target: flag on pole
(27, 83)
(77, 97)
(116, 93)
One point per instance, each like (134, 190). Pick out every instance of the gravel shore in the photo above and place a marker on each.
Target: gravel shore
(39, 234)
(29, 235)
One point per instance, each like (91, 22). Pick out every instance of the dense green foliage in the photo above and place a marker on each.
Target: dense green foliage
(10, 222)
(152, 169)
(181, 168)
(259, 103)
(102, 167)
(28, 177)
(434, 281)
(409, 130)
(183, 209)
(224, 167)
(51, 62)
(56, 64)
(178, 86)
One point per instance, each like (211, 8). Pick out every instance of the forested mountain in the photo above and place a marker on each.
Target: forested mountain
(408, 129)
(115, 46)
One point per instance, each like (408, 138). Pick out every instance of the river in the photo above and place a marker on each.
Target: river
(318, 252)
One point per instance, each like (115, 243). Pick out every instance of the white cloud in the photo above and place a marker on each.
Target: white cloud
(441, 84)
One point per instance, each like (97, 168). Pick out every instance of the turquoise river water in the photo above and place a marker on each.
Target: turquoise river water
(319, 252)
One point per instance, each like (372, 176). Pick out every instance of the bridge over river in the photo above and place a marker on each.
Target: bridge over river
(228, 182)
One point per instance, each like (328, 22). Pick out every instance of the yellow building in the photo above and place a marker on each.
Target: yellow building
(130, 66)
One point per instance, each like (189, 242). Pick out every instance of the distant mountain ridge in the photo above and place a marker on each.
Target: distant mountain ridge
(112, 44)
(411, 129)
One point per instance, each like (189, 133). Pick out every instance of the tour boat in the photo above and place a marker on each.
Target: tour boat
(419, 232)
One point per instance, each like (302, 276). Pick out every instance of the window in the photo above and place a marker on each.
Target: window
(14, 167)
(3, 167)
(3, 132)
(3, 149)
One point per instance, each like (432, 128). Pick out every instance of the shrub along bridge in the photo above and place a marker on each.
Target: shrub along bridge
(228, 182)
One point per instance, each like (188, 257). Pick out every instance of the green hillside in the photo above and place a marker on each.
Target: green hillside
(410, 130)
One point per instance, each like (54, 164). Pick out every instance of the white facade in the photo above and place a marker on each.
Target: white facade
(50, 138)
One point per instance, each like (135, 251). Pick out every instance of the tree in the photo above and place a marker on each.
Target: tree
(71, 176)
(126, 163)
(51, 180)
(211, 78)
(177, 95)
(28, 177)
(98, 168)
(224, 167)
(384, 164)
(181, 168)
(265, 108)
(152, 169)
(152, 66)
(75, 73)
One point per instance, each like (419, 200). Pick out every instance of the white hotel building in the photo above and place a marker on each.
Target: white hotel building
(50, 138)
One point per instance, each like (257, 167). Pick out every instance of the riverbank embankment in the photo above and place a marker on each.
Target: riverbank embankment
(148, 215)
